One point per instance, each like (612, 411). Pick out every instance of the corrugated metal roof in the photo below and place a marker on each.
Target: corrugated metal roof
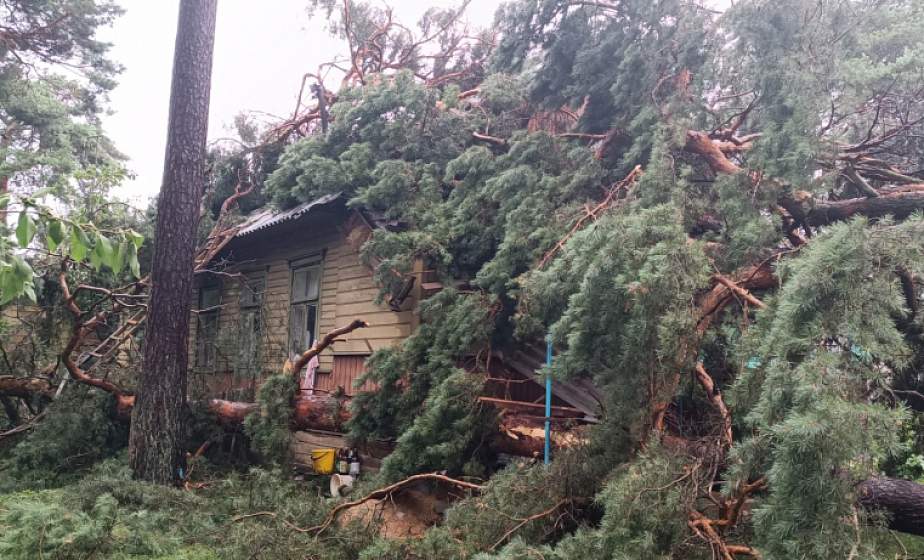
(577, 392)
(269, 217)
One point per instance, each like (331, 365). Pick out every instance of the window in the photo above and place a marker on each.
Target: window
(207, 325)
(251, 321)
(303, 307)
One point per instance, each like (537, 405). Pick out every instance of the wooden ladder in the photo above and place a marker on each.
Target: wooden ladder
(110, 345)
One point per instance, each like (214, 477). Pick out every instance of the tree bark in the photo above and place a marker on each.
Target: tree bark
(899, 204)
(26, 387)
(901, 500)
(155, 444)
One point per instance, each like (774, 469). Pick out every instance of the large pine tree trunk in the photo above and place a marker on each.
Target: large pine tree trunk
(901, 500)
(155, 450)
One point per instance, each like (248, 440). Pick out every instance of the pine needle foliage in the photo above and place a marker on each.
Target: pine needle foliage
(78, 431)
(776, 137)
(621, 296)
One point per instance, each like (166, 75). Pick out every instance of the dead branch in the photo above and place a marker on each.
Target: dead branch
(738, 290)
(490, 139)
(592, 214)
(319, 346)
(82, 328)
(707, 308)
(715, 398)
(706, 529)
(520, 406)
(581, 136)
(744, 491)
(24, 427)
(526, 520)
(701, 144)
(26, 387)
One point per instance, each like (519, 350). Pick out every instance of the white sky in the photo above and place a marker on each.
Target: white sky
(262, 49)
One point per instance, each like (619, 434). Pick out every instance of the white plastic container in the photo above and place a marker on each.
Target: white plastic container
(341, 484)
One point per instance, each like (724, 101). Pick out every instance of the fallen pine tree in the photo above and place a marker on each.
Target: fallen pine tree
(901, 500)
(744, 295)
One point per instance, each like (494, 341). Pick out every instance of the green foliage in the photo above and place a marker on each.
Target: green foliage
(54, 77)
(268, 430)
(824, 345)
(423, 396)
(107, 515)
(77, 432)
(592, 54)
(617, 302)
(65, 238)
(447, 434)
(620, 298)
(810, 378)
(73, 535)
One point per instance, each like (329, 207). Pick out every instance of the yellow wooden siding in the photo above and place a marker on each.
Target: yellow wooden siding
(371, 454)
(347, 292)
(346, 370)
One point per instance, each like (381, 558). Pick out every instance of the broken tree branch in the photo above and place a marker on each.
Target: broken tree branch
(526, 520)
(592, 214)
(388, 491)
(741, 292)
(715, 398)
(292, 368)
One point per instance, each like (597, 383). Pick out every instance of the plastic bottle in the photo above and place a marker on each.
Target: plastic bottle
(354, 463)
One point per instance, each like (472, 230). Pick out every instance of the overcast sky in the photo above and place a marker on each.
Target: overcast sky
(262, 49)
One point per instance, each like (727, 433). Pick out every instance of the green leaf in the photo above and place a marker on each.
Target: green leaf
(16, 280)
(29, 291)
(102, 252)
(117, 257)
(80, 244)
(55, 235)
(6, 289)
(107, 253)
(136, 238)
(25, 229)
(133, 264)
(95, 261)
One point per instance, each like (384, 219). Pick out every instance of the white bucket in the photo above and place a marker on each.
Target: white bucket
(341, 485)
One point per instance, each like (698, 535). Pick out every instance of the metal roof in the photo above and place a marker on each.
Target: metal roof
(270, 217)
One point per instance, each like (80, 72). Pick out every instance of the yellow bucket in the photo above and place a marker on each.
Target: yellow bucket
(322, 460)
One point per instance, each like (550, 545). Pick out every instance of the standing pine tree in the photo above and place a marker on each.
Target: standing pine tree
(155, 451)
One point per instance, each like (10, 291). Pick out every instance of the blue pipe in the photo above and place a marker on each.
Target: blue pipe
(548, 401)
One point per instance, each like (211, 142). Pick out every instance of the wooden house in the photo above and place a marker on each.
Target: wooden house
(285, 280)
(289, 277)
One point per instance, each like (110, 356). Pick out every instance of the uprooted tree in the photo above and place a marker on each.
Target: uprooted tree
(716, 216)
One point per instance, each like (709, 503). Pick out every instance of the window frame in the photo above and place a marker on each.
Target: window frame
(309, 263)
(246, 279)
(207, 326)
(251, 306)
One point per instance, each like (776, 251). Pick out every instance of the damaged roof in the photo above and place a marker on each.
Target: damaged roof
(271, 217)
(526, 363)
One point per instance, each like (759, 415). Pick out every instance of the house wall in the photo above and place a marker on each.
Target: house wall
(347, 292)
